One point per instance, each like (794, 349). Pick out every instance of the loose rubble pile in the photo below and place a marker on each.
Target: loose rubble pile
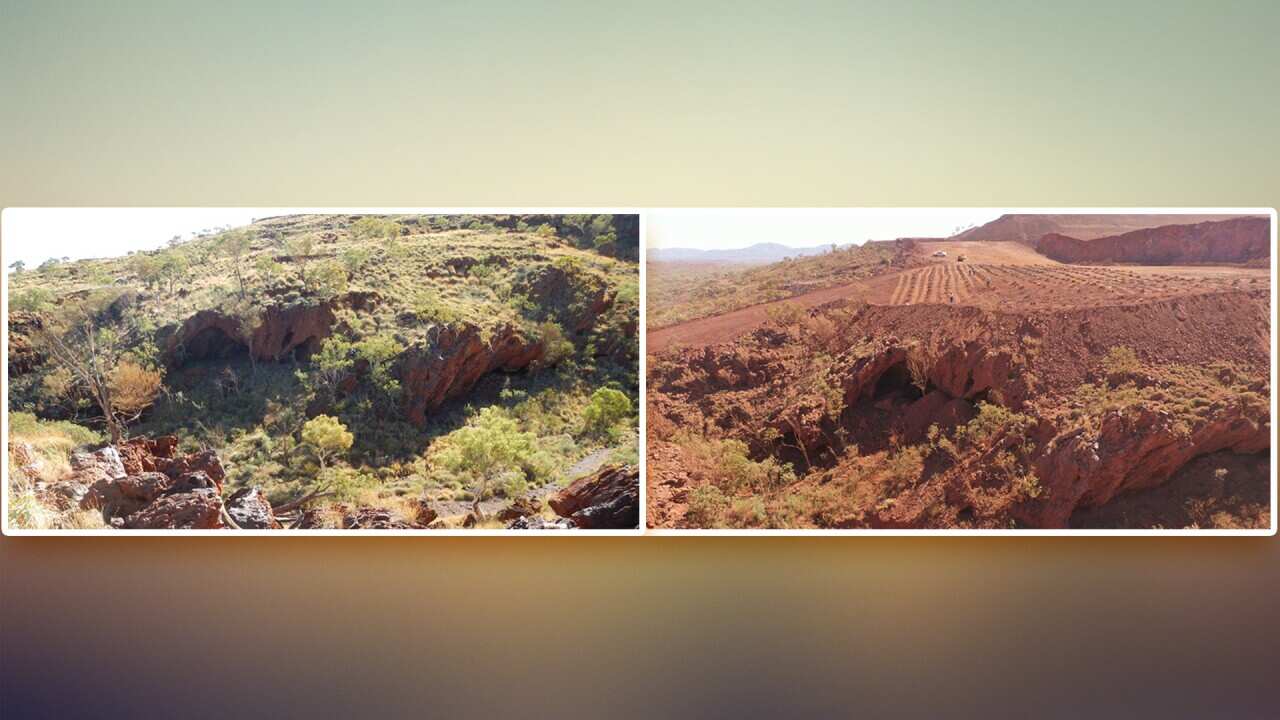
(145, 484)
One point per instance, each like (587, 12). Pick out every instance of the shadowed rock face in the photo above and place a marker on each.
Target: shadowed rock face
(453, 359)
(211, 334)
(579, 301)
(1239, 240)
(607, 500)
(1137, 449)
(23, 356)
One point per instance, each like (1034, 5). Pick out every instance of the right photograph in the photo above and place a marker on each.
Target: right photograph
(959, 369)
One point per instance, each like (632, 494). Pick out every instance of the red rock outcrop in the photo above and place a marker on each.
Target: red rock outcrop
(1135, 449)
(453, 359)
(196, 510)
(143, 454)
(283, 330)
(1239, 240)
(147, 484)
(23, 355)
(607, 500)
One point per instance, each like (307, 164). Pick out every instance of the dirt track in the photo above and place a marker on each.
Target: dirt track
(995, 275)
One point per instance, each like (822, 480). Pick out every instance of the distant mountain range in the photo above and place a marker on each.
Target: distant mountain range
(758, 254)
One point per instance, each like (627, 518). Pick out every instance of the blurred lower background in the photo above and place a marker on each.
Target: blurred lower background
(1136, 104)
(653, 627)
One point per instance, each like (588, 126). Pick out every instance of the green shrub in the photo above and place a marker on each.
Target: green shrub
(1121, 360)
(606, 408)
(428, 306)
(36, 299)
(707, 505)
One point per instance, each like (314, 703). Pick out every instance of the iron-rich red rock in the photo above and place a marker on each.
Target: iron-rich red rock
(453, 359)
(196, 510)
(607, 500)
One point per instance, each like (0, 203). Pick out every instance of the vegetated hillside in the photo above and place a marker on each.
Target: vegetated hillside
(679, 293)
(1028, 229)
(945, 416)
(341, 371)
(1243, 240)
(758, 254)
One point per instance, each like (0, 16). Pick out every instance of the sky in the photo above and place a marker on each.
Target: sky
(724, 229)
(34, 235)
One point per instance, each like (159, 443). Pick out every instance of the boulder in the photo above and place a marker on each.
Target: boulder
(140, 454)
(199, 509)
(520, 507)
(250, 510)
(609, 499)
(105, 461)
(205, 462)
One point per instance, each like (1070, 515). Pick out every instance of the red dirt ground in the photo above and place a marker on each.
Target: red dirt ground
(995, 275)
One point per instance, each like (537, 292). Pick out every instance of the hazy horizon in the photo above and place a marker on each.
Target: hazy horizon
(731, 229)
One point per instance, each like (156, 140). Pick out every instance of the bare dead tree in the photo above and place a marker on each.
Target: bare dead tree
(90, 352)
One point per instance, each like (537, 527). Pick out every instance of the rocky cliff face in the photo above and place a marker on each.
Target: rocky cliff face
(283, 330)
(1137, 448)
(23, 356)
(1239, 240)
(453, 359)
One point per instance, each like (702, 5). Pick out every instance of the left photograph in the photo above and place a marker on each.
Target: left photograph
(268, 370)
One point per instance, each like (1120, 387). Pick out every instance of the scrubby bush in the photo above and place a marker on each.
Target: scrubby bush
(36, 299)
(727, 465)
(1121, 360)
(488, 447)
(428, 306)
(606, 408)
(328, 280)
(707, 504)
(327, 437)
(556, 348)
(134, 388)
(380, 352)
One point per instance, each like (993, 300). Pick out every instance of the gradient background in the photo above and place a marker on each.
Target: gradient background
(1154, 104)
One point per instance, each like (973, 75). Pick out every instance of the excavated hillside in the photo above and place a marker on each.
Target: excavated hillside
(1241, 241)
(402, 327)
(990, 387)
(1029, 228)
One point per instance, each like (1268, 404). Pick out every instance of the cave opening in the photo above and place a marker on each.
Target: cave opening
(213, 344)
(895, 384)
